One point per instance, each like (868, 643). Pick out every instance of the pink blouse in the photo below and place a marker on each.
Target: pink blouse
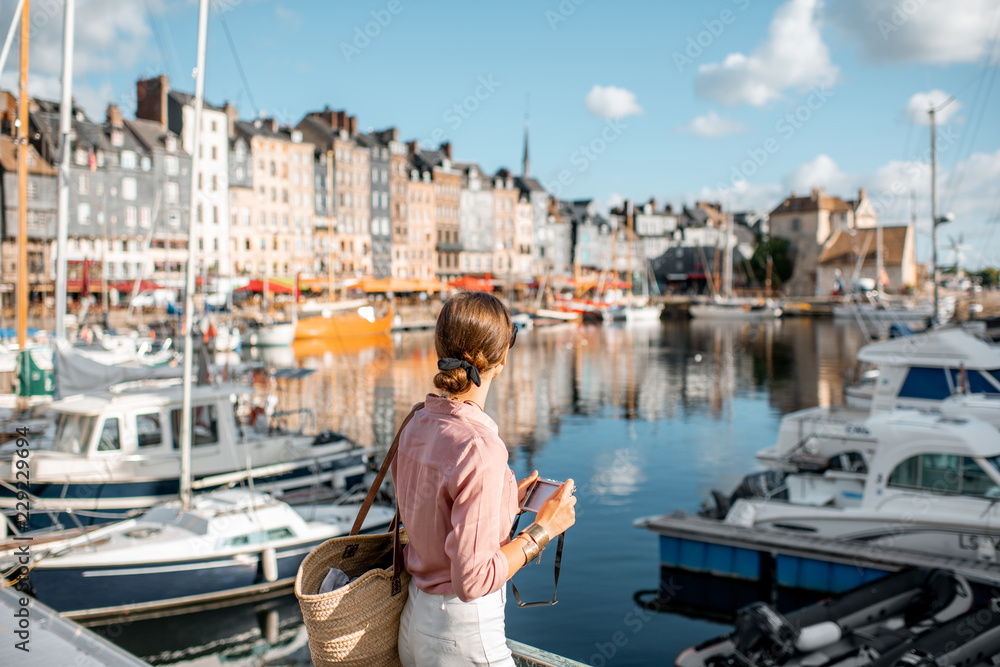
(457, 499)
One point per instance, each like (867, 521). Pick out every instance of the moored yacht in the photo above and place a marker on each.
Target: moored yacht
(928, 483)
(226, 544)
(118, 452)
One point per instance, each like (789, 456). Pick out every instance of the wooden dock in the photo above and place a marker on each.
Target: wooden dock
(52, 639)
(793, 560)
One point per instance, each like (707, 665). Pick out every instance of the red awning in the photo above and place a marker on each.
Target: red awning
(471, 284)
(129, 285)
(273, 286)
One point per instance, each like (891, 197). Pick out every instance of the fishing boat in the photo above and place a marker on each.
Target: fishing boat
(921, 482)
(890, 616)
(349, 324)
(734, 308)
(226, 544)
(117, 452)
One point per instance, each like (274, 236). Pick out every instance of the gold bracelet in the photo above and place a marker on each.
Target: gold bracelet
(538, 534)
(530, 548)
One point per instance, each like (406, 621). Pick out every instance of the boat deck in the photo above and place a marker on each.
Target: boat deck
(792, 560)
(54, 640)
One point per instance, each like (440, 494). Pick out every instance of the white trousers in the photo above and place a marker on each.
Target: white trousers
(443, 631)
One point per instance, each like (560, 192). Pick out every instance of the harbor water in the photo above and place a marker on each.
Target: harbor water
(646, 419)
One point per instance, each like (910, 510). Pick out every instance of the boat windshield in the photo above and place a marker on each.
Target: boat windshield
(74, 433)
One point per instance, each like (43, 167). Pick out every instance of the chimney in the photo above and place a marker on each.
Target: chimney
(862, 193)
(232, 115)
(445, 148)
(412, 147)
(151, 99)
(272, 124)
(115, 116)
(817, 193)
(352, 125)
(341, 120)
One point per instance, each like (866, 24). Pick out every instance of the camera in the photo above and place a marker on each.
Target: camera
(539, 491)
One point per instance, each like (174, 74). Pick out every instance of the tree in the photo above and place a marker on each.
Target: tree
(990, 276)
(781, 262)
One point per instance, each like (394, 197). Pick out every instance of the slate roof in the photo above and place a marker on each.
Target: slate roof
(815, 202)
(150, 133)
(188, 98)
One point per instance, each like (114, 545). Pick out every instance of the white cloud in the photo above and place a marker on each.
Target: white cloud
(917, 106)
(110, 35)
(793, 56)
(820, 172)
(923, 31)
(712, 126)
(612, 102)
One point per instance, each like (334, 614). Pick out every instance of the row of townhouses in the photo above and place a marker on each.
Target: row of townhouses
(322, 199)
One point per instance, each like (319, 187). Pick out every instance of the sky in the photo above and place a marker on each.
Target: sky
(737, 101)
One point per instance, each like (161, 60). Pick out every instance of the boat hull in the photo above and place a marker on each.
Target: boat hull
(103, 589)
(733, 313)
(341, 325)
(71, 504)
(271, 335)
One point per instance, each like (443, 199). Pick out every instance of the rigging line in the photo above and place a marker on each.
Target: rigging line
(958, 172)
(158, 35)
(239, 65)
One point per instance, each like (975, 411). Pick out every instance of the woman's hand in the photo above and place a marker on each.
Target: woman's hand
(558, 512)
(522, 486)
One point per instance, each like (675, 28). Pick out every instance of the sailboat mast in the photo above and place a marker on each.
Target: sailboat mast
(65, 127)
(934, 214)
(22, 186)
(727, 266)
(199, 99)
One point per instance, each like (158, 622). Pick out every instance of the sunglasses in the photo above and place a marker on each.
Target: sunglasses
(513, 337)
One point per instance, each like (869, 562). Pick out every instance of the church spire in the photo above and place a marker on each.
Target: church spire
(526, 166)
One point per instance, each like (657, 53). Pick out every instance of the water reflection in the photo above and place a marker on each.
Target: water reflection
(265, 632)
(363, 387)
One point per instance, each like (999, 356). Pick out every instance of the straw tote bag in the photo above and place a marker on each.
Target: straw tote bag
(358, 623)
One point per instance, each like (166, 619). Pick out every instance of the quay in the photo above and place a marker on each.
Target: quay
(55, 640)
(792, 560)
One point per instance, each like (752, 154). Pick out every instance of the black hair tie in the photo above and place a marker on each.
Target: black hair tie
(450, 364)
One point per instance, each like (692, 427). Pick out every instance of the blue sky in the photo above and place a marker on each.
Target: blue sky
(745, 99)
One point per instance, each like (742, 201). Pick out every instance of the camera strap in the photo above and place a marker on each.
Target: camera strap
(558, 565)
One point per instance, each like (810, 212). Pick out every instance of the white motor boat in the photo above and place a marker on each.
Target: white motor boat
(276, 334)
(735, 309)
(116, 452)
(922, 482)
(226, 544)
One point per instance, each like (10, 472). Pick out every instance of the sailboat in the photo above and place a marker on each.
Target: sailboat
(724, 306)
(193, 549)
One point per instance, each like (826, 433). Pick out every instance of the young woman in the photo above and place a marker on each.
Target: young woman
(458, 498)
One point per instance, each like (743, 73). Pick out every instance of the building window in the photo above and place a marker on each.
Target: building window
(128, 160)
(215, 183)
(145, 163)
(130, 216)
(171, 193)
(81, 184)
(173, 165)
(215, 214)
(128, 189)
(32, 190)
(215, 152)
(174, 219)
(83, 213)
(796, 224)
(199, 217)
(144, 217)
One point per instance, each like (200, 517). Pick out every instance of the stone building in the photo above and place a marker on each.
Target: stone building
(475, 220)
(447, 196)
(505, 198)
(379, 211)
(420, 254)
(41, 213)
(398, 215)
(334, 132)
(175, 111)
(274, 205)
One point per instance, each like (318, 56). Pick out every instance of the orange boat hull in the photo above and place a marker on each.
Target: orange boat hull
(341, 325)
